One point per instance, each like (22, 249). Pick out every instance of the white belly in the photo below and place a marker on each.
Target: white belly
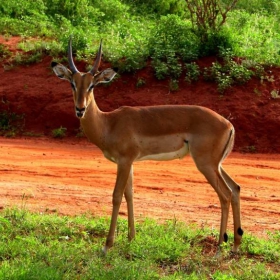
(179, 154)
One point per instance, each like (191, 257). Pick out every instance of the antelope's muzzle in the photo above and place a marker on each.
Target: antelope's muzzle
(80, 112)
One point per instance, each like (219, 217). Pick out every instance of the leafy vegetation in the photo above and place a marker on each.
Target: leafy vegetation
(49, 246)
(59, 132)
(4, 52)
(192, 72)
(167, 31)
(10, 123)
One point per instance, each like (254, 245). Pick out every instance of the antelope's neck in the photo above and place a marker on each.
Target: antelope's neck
(93, 124)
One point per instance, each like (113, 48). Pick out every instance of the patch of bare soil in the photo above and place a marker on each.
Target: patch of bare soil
(73, 177)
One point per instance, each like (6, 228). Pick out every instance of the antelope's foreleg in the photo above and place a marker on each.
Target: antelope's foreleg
(121, 181)
(128, 193)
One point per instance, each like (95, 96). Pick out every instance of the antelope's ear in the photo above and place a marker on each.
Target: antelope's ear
(104, 76)
(61, 71)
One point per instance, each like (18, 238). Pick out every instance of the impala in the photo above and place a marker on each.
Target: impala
(166, 132)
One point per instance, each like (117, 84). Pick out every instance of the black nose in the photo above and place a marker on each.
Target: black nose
(80, 112)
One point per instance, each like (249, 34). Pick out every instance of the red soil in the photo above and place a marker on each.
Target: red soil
(71, 176)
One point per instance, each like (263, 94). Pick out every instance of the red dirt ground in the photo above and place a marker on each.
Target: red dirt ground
(71, 176)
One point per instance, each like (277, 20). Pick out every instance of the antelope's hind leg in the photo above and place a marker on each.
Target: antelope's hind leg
(235, 204)
(207, 155)
(128, 194)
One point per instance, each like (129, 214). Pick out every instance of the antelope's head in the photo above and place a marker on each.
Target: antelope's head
(82, 83)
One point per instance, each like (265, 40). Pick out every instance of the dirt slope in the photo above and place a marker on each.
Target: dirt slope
(47, 101)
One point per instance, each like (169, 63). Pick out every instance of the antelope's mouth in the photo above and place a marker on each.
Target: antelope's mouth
(80, 112)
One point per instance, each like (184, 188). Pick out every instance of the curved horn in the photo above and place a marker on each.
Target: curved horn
(97, 60)
(70, 57)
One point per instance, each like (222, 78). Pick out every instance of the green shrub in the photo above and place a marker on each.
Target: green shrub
(4, 52)
(59, 132)
(254, 6)
(193, 72)
(254, 36)
(10, 123)
(171, 42)
(159, 7)
(134, 31)
(228, 72)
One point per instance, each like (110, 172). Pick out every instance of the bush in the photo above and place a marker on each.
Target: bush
(171, 43)
(134, 30)
(158, 8)
(254, 36)
(10, 123)
(228, 72)
(193, 72)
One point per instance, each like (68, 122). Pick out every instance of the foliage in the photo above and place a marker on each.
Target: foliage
(254, 36)
(59, 132)
(169, 33)
(256, 6)
(51, 246)
(173, 85)
(275, 94)
(193, 72)
(4, 52)
(10, 123)
(158, 8)
(140, 82)
(172, 42)
(228, 72)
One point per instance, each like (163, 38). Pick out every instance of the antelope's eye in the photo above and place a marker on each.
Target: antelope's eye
(91, 87)
(73, 86)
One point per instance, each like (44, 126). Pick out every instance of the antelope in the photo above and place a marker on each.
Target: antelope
(166, 132)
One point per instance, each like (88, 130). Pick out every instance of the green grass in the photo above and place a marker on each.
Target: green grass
(49, 246)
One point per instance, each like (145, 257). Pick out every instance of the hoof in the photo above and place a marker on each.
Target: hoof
(104, 250)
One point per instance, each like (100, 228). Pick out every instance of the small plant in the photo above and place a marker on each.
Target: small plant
(193, 72)
(140, 82)
(10, 123)
(167, 68)
(173, 85)
(59, 132)
(4, 52)
(259, 70)
(257, 92)
(239, 73)
(269, 78)
(224, 82)
(249, 149)
(161, 69)
(275, 94)
(219, 74)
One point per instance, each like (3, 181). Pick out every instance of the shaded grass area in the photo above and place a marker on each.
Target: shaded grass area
(44, 246)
